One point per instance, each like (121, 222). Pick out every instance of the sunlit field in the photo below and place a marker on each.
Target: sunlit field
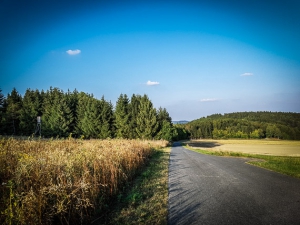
(262, 147)
(277, 155)
(65, 181)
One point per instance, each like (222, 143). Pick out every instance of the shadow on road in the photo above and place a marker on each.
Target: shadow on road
(204, 144)
(182, 208)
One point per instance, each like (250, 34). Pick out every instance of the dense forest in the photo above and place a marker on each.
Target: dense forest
(247, 125)
(81, 115)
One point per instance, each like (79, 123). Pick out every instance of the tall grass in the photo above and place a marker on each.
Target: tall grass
(65, 181)
(146, 200)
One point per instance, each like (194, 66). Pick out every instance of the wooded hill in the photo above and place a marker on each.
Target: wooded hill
(81, 115)
(254, 125)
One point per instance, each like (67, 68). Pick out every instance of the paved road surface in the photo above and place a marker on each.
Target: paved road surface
(207, 189)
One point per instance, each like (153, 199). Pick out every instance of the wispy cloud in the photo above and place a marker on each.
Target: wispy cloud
(151, 83)
(209, 100)
(73, 52)
(246, 74)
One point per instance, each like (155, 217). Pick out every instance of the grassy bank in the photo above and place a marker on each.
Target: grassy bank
(283, 164)
(66, 181)
(145, 201)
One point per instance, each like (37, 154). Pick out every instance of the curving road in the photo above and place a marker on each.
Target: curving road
(207, 189)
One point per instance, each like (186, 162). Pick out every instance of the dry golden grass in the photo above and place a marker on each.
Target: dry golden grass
(264, 147)
(260, 142)
(146, 201)
(65, 181)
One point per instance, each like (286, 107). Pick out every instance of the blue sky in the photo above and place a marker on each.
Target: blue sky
(194, 58)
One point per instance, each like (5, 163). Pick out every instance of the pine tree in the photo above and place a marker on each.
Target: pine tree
(1, 99)
(31, 108)
(88, 114)
(57, 115)
(165, 130)
(146, 119)
(122, 116)
(14, 104)
(107, 120)
(134, 109)
(72, 102)
(2, 112)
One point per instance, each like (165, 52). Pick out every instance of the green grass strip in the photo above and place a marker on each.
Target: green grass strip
(146, 200)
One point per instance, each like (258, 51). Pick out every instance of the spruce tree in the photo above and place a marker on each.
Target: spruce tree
(122, 116)
(107, 120)
(165, 130)
(1, 99)
(2, 112)
(72, 102)
(31, 108)
(88, 116)
(146, 119)
(57, 115)
(134, 109)
(14, 104)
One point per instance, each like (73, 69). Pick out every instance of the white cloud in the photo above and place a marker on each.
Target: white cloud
(246, 74)
(209, 100)
(151, 83)
(73, 52)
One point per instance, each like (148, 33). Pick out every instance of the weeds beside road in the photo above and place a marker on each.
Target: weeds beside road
(66, 181)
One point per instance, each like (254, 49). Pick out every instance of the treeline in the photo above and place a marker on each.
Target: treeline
(81, 115)
(247, 125)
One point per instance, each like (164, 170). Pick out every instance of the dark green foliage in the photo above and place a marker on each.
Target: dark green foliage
(57, 116)
(107, 119)
(123, 117)
(2, 111)
(31, 108)
(166, 131)
(72, 102)
(254, 125)
(88, 114)
(81, 115)
(134, 109)
(146, 119)
(1, 99)
(181, 133)
(14, 105)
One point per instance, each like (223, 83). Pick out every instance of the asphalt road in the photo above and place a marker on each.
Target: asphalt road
(217, 190)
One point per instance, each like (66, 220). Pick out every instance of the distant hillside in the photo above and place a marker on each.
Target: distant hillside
(254, 125)
(180, 122)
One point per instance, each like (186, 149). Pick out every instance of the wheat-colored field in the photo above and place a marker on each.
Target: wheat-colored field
(263, 147)
(65, 181)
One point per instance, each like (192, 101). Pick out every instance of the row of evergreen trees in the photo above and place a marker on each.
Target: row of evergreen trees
(82, 115)
(254, 125)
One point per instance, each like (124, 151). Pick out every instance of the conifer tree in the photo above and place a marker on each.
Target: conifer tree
(1, 99)
(57, 115)
(14, 104)
(162, 115)
(2, 112)
(88, 116)
(82, 114)
(134, 109)
(107, 120)
(165, 130)
(146, 119)
(72, 102)
(31, 108)
(122, 116)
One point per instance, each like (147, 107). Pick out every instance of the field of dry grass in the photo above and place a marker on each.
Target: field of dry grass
(146, 202)
(65, 181)
(276, 155)
(262, 147)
